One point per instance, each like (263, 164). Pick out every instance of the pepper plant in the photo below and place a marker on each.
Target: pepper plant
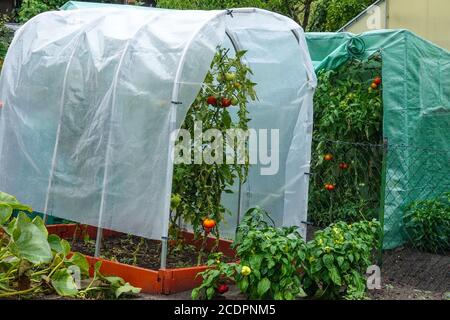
(427, 224)
(269, 262)
(337, 259)
(220, 105)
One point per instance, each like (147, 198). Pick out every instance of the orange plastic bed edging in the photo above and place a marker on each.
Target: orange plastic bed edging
(162, 281)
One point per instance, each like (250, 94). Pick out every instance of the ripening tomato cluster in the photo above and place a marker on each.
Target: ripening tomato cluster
(224, 102)
(342, 166)
(375, 83)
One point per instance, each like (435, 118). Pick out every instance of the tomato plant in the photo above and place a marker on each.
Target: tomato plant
(200, 185)
(347, 131)
(337, 259)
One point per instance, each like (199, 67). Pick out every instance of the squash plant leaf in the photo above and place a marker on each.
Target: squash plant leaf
(64, 283)
(5, 212)
(29, 241)
(79, 260)
(126, 289)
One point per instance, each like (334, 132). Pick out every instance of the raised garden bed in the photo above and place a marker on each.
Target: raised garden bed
(150, 278)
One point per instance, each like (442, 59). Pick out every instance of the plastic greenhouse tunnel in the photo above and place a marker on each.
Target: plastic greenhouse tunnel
(92, 98)
(415, 116)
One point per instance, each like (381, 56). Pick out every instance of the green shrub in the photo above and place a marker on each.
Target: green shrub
(337, 259)
(30, 8)
(427, 223)
(6, 36)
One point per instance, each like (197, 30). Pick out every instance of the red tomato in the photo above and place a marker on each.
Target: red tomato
(209, 223)
(377, 81)
(329, 187)
(343, 165)
(374, 85)
(211, 100)
(226, 102)
(222, 288)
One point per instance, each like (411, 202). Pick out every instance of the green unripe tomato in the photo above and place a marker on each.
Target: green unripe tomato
(219, 77)
(234, 101)
(230, 76)
(175, 201)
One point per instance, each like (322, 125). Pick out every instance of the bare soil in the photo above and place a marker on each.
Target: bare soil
(407, 273)
(142, 252)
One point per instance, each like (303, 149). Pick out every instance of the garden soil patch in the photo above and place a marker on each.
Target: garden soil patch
(141, 252)
(411, 274)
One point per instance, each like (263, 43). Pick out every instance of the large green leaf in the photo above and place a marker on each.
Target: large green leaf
(29, 241)
(64, 283)
(13, 202)
(263, 286)
(5, 212)
(7, 198)
(38, 222)
(328, 261)
(58, 245)
(126, 289)
(79, 260)
(334, 275)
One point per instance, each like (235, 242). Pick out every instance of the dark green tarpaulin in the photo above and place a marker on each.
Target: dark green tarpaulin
(416, 101)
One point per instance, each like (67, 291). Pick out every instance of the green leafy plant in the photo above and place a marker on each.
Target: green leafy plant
(218, 273)
(198, 187)
(347, 147)
(270, 259)
(32, 262)
(273, 254)
(337, 259)
(427, 224)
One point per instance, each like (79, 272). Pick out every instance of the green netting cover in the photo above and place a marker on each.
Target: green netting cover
(416, 99)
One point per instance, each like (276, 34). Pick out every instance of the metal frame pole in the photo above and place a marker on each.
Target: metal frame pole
(382, 200)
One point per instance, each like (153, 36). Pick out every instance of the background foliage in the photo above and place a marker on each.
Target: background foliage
(312, 15)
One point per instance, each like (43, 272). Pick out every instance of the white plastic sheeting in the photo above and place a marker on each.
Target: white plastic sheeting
(90, 98)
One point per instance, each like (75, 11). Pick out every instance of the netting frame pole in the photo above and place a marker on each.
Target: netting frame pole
(382, 201)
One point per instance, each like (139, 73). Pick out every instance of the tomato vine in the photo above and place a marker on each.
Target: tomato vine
(220, 105)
